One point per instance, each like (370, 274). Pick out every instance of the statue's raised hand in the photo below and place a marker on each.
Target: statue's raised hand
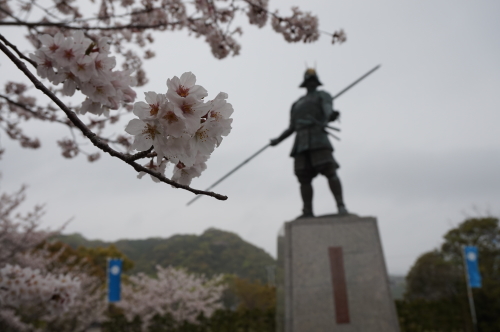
(275, 141)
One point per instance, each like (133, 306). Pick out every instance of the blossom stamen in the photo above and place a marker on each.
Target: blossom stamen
(182, 91)
(186, 108)
(154, 108)
(171, 117)
(202, 134)
(150, 131)
(69, 54)
(53, 47)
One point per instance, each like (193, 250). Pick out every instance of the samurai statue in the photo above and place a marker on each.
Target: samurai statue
(312, 150)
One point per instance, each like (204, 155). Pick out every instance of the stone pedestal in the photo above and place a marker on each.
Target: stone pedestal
(332, 276)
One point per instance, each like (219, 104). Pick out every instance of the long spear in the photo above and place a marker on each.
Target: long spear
(232, 171)
(268, 144)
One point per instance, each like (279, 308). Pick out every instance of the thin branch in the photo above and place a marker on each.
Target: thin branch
(14, 47)
(144, 11)
(9, 14)
(71, 27)
(93, 137)
(35, 114)
(143, 154)
(44, 9)
(70, 125)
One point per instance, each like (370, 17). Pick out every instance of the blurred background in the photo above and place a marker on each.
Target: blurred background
(419, 149)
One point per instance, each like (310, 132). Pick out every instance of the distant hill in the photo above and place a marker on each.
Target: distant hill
(213, 252)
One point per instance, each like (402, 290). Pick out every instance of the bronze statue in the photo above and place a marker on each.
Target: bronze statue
(312, 149)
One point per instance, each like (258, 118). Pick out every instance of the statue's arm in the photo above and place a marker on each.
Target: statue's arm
(285, 134)
(281, 137)
(327, 104)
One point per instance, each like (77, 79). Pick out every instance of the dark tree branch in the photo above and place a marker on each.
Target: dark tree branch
(14, 47)
(139, 12)
(9, 14)
(71, 27)
(92, 136)
(33, 113)
(143, 154)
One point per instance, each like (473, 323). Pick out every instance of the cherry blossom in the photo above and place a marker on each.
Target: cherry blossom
(146, 134)
(174, 291)
(184, 88)
(173, 120)
(150, 109)
(73, 52)
(298, 27)
(68, 52)
(51, 44)
(184, 175)
(26, 285)
(154, 167)
(34, 287)
(218, 116)
(181, 126)
(45, 68)
(79, 63)
(83, 67)
(257, 12)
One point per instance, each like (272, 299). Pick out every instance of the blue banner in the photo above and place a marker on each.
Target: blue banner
(114, 279)
(471, 263)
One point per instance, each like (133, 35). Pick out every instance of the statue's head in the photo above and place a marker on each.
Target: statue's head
(310, 78)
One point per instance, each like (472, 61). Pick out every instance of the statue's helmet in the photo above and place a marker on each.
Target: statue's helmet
(310, 74)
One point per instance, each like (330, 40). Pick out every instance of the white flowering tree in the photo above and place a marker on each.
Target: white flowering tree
(175, 292)
(73, 45)
(34, 286)
(46, 290)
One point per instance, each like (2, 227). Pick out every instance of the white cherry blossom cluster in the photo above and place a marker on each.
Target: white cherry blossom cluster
(79, 63)
(257, 12)
(181, 127)
(20, 286)
(174, 291)
(34, 284)
(298, 27)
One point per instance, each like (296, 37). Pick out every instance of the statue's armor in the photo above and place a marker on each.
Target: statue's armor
(312, 149)
(308, 117)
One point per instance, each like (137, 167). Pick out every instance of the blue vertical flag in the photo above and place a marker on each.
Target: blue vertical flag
(471, 255)
(114, 279)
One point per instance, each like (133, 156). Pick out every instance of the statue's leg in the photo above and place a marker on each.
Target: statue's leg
(305, 174)
(336, 188)
(306, 191)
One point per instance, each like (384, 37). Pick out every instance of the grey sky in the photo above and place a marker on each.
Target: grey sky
(420, 143)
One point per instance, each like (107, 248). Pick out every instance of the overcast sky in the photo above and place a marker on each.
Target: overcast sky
(419, 149)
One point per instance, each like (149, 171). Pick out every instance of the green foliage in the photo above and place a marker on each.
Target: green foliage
(76, 240)
(99, 256)
(212, 253)
(93, 260)
(432, 316)
(253, 295)
(433, 277)
(436, 295)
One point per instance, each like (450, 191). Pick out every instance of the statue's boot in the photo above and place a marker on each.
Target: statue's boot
(336, 188)
(306, 191)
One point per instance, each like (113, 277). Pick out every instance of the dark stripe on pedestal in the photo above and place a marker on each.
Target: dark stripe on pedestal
(339, 285)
